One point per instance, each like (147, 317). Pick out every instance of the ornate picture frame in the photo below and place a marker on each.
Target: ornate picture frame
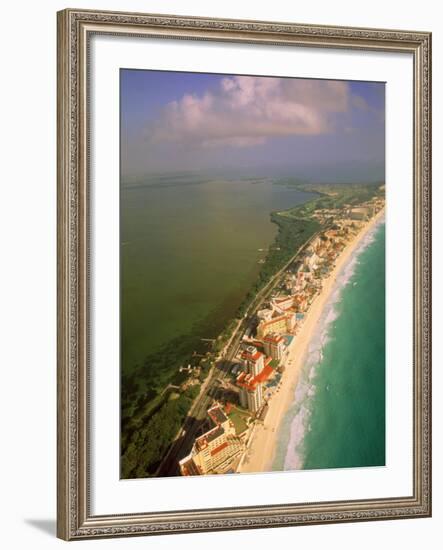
(75, 519)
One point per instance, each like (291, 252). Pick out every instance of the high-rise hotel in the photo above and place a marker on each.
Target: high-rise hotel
(214, 451)
(274, 345)
(257, 371)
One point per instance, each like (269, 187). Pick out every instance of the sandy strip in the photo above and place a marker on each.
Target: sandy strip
(260, 453)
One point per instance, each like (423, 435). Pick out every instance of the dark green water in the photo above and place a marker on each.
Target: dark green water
(338, 416)
(189, 250)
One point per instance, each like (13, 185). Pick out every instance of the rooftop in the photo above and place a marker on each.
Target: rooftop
(189, 467)
(273, 338)
(250, 383)
(219, 448)
(280, 299)
(202, 441)
(214, 434)
(217, 415)
(276, 319)
(255, 357)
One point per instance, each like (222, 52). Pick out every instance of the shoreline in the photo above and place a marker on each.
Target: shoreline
(260, 454)
(192, 340)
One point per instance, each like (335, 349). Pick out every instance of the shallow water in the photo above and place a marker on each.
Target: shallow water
(337, 418)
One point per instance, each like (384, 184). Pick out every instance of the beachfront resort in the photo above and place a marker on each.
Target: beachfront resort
(257, 369)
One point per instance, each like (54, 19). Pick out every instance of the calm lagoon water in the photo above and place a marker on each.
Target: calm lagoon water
(189, 249)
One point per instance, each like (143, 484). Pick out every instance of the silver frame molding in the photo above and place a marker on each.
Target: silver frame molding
(74, 519)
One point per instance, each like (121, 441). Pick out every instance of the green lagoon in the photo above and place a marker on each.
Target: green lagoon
(190, 251)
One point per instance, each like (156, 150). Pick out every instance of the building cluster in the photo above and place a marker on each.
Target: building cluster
(284, 312)
(214, 451)
(361, 212)
(257, 369)
(262, 352)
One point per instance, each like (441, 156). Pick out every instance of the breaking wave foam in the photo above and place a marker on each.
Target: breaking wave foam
(304, 393)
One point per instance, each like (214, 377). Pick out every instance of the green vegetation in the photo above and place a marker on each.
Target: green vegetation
(153, 405)
(239, 418)
(334, 196)
(224, 336)
(145, 401)
(145, 397)
(149, 441)
(142, 385)
(296, 225)
(193, 391)
(292, 234)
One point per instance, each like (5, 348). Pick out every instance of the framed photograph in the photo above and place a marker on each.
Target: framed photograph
(243, 274)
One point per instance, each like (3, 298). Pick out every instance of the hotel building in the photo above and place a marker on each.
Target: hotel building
(282, 303)
(214, 451)
(274, 345)
(360, 213)
(250, 381)
(311, 260)
(279, 324)
(253, 360)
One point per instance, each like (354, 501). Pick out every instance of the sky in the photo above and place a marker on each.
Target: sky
(320, 130)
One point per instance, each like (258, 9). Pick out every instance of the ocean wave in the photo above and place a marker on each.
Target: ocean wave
(305, 390)
(294, 455)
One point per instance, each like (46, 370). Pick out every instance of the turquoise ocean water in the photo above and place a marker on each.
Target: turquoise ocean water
(337, 418)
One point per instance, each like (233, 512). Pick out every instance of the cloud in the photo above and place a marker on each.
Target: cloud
(244, 111)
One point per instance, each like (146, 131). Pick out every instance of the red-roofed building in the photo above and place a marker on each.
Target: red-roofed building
(253, 360)
(251, 384)
(215, 450)
(282, 303)
(274, 345)
(300, 302)
(279, 324)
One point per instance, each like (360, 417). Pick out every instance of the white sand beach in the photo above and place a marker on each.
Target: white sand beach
(261, 450)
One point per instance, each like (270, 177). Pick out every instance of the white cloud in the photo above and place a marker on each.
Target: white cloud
(244, 111)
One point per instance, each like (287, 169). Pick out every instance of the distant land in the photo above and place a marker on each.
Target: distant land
(159, 392)
(244, 198)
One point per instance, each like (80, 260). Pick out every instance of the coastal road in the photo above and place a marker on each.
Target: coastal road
(197, 415)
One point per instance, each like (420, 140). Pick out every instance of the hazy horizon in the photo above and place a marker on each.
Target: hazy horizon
(314, 130)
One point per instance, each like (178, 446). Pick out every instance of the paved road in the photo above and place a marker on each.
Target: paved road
(195, 420)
